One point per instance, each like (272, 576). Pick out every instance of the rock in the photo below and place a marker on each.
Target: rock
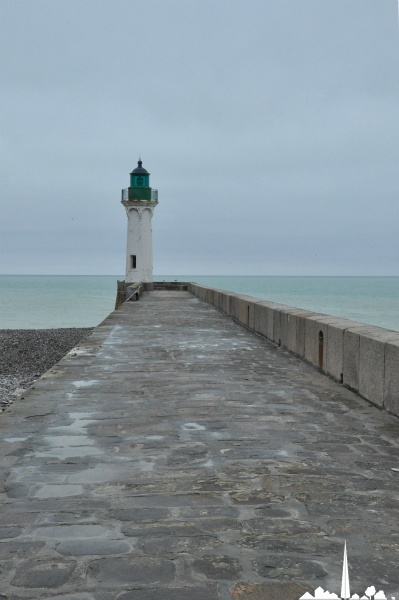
(25, 354)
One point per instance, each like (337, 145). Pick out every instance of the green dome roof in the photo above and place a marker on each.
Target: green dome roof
(139, 170)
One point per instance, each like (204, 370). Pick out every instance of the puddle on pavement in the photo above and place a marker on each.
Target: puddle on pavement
(67, 441)
(15, 439)
(59, 491)
(76, 444)
(74, 452)
(83, 384)
(80, 421)
(193, 427)
(99, 474)
(144, 465)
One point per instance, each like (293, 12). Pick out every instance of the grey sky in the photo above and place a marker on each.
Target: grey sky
(269, 127)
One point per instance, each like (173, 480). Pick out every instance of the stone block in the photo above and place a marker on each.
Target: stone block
(43, 573)
(311, 343)
(391, 384)
(219, 299)
(371, 369)
(364, 360)
(351, 359)
(243, 311)
(336, 328)
(201, 291)
(332, 329)
(216, 299)
(289, 327)
(251, 314)
(315, 340)
(210, 592)
(273, 320)
(276, 325)
(291, 332)
(234, 309)
(262, 319)
(300, 336)
(128, 571)
(283, 337)
(246, 311)
(205, 294)
(270, 321)
(280, 590)
(373, 342)
(210, 295)
(225, 305)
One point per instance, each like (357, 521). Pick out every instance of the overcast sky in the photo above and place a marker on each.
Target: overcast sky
(269, 127)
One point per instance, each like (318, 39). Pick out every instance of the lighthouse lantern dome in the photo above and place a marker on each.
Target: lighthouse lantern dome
(139, 177)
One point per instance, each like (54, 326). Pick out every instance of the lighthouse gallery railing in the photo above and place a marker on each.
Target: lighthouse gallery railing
(154, 195)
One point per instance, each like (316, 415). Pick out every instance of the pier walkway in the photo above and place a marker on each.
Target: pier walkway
(174, 455)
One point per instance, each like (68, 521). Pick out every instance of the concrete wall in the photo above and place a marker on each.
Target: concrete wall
(362, 357)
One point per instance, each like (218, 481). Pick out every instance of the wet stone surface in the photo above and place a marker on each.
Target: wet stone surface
(177, 456)
(43, 573)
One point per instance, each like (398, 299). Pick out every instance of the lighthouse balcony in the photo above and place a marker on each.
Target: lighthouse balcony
(140, 193)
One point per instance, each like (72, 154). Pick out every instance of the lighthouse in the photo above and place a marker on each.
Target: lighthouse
(139, 201)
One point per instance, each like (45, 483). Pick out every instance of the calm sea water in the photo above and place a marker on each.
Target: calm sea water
(51, 301)
(35, 302)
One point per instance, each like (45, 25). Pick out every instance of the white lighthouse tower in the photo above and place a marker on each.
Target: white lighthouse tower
(139, 201)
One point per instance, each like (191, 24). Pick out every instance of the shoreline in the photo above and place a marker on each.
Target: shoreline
(26, 354)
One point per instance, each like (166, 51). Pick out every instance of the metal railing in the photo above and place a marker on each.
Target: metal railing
(154, 195)
(136, 292)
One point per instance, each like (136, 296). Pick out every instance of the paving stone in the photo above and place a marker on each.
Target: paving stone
(175, 545)
(274, 567)
(280, 591)
(185, 593)
(94, 547)
(62, 532)
(141, 514)
(77, 596)
(218, 567)
(43, 573)
(20, 549)
(122, 571)
(9, 532)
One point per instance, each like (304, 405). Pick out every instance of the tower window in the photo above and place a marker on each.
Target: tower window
(133, 261)
(140, 180)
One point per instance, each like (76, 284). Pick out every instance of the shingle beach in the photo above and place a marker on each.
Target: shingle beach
(25, 354)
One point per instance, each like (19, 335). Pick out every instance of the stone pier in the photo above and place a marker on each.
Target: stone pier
(175, 455)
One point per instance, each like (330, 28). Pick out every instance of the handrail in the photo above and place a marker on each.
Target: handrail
(154, 195)
(135, 293)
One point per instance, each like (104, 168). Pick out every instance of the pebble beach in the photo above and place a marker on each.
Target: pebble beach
(25, 354)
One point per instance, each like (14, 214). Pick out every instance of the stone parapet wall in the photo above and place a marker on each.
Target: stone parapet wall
(362, 357)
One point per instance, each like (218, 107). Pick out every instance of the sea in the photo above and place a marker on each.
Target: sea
(57, 301)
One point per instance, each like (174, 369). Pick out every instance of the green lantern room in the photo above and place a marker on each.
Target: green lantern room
(139, 183)
(139, 186)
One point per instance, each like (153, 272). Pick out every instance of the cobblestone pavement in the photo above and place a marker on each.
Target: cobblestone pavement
(176, 456)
